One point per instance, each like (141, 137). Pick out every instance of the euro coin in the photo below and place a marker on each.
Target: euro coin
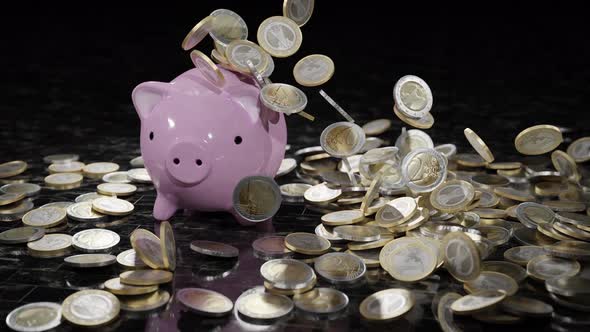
(63, 181)
(338, 267)
(513, 165)
(452, 196)
(227, 26)
(298, 10)
(12, 168)
(146, 277)
(90, 260)
(369, 257)
(88, 197)
(510, 269)
(538, 140)
(271, 246)
(342, 139)
(479, 145)
(328, 300)
(44, 217)
(313, 70)
(489, 181)
(470, 160)
(412, 96)
(448, 150)
(495, 316)
(29, 189)
(197, 33)
(168, 245)
(205, 302)
(523, 254)
(145, 302)
(287, 273)
(60, 158)
(90, 308)
(550, 231)
(409, 263)
(546, 267)
(207, 68)
(148, 247)
(283, 98)
(514, 194)
(370, 245)
(526, 306)
(376, 127)
(425, 122)
(387, 304)
(290, 292)
(343, 217)
(130, 259)
(492, 281)
(410, 140)
(238, 53)
(115, 286)
(565, 165)
(571, 231)
(139, 175)
(477, 302)
(37, 316)
(568, 286)
(445, 314)
(116, 177)
(307, 243)
(358, 233)
(423, 169)
(293, 191)
(21, 235)
(565, 206)
(6, 199)
(256, 198)
(321, 194)
(579, 150)
(264, 305)
(573, 218)
(578, 250)
(327, 233)
(279, 36)
(287, 165)
(462, 258)
(95, 240)
(112, 206)
(99, 169)
(69, 167)
(216, 249)
(116, 189)
(51, 244)
(83, 212)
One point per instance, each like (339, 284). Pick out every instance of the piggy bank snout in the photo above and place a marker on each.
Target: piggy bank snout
(188, 163)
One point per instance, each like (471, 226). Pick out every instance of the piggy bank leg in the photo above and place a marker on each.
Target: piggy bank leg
(163, 208)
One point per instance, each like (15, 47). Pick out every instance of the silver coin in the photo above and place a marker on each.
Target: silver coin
(287, 273)
(448, 150)
(83, 212)
(60, 158)
(112, 206)
(88, 197)
(95, 240)
(35, 317)
(339, 267)
(29, 189)
(298, 10)
(90, 260)
(413, 139)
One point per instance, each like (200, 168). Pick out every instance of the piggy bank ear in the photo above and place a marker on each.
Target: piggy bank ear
(147, 95)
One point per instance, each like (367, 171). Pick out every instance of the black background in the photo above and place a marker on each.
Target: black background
(68, 72)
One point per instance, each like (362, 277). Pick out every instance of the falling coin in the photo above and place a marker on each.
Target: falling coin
(148, 247)
(479, 145)
(487, 280)
(208, 68)
(579, 150)
(452, 196)
(477, 302)
(12, 168)
(538, 139)
(462, 258)
(257, 198)
(298, 10)
(526, 306)
(313, 70)
(21, 235)
(168, 246)
(342, 139)
(546, 267)
(423, 169)
(227, 26)
(358, 233)
(412, 96)
(279, 36)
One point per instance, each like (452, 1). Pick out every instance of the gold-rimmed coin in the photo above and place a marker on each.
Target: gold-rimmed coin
(425, 122)
(522, 255)
(327, 300)
(116, 189)
(289, 292)
(396, 212)
(565, 165)
(205, 302)
(69, 167)
(545, 267)
(321, 194)
(342, 139)
(506, 165)
(358, 233)
(370, 245)
(417, 220)
(50, 244)
(6, 199)
(226, 27)
(387, 304)
(145, 277)
(490, 213)
(343, 217)
(60, 158)
(95, 240)
(411, 262)
(298, 10)
(579, 150)
(307, 243)
(538, 139)
(64, 181)
(208, 68)
(340, 267)
(83, 211)
(29, 189)
(412, 96)
(116, 177)
(565, 206)
(145, 302)
(12, 168)
(90, 260)
(37, 316)
(376, 127)
(487, 280)
(287, 274)
(313, 70)
(264, 305)
(452, 196)
(279, 36)
(526, 306)
(548, 230)
(283, 98)
(479, 145)
(514, 194)
(477, 302)
(369, 257)
(99, 169)
(112, 206)
(215, 249)
(168, 246)
(91, 308)
(148, 247)
(445, 314)
(44, 217)
(238, 53)
(423, 169)
(271, 246)
(461, 256)
(21, 235)
(130, 259)
(197, 33)
(510, 269)
(571, 231)
(139, 175)
(470, 160)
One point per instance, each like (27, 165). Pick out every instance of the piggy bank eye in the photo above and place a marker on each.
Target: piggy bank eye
(238, 139)
(151, 135)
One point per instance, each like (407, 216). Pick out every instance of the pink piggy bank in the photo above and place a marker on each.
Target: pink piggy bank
(199, 140)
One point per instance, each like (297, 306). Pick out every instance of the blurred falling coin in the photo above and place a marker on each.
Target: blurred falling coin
(538, 140)
(29, 189)
(6, 199)
(146, 277)
(526, 306)
(479, 145)
(376, 127)
(256, 198)
(205, 302)
(298, 10)
(168, 244)
(91, 308)
(216, 249)
(342, 139)
(313, 70)
(60, 158)
(197, 33)
(462, 258)
(487, 280)
(148, 247)
(523, 254)
(477, 302)
(546, 267)
(510, 269)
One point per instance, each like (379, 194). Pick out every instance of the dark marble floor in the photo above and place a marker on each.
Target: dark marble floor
(69, 92)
